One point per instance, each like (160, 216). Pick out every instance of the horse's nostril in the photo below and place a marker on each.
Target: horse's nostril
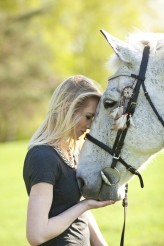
(80, 182)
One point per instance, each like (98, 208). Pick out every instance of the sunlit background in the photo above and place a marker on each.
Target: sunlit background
(41, 43)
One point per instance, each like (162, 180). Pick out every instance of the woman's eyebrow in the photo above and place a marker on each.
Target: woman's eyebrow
(90, 113)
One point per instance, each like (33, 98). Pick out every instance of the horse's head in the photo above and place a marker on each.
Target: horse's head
(97, 177)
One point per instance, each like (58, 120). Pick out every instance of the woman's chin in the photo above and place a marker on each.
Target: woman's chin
(81, 136)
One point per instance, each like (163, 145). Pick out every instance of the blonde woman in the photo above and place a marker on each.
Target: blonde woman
(56, 216)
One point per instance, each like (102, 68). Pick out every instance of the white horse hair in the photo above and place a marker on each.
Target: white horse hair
(145, 136)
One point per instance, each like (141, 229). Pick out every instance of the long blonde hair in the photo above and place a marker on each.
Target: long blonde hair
(61, 118)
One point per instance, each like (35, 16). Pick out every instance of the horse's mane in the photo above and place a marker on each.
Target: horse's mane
(139, 39)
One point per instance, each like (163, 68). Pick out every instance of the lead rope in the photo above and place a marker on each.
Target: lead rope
(124, 204)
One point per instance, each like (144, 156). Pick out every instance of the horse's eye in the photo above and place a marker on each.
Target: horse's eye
(109, 104)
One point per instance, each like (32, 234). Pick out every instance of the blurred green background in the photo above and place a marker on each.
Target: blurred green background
(41, 43)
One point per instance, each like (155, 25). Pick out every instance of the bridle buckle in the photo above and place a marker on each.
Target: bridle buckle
(116, 157)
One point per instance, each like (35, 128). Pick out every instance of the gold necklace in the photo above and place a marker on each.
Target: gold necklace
(69, 162)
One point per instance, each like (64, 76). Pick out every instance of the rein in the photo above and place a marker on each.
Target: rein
(121, 134)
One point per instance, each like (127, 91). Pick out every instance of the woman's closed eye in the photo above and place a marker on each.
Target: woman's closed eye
(89, 117)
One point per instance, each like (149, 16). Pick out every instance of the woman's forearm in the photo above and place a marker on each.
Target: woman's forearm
(49, 228)
(58, 224)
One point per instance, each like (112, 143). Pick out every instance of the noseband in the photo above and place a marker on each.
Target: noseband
(121, 134)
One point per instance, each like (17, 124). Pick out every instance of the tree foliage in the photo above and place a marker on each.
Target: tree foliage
(42, 42)
(24, 71)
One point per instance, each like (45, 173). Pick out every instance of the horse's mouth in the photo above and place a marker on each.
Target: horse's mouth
(107, 188)
(109, 193)
(88, 193)
(105, 193)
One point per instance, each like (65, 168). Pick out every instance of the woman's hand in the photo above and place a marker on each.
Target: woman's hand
(97, 204)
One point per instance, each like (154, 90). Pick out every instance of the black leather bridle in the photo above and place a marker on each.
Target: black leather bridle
(121, 134)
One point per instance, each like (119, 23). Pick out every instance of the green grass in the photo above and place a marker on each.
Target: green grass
(13, 195)
(145, 218)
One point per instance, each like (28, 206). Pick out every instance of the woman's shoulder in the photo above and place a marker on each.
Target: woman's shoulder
(41, 150)
(41, 165)
(42, 154)
(42, 147)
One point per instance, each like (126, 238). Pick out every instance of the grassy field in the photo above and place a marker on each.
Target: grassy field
(145, 218)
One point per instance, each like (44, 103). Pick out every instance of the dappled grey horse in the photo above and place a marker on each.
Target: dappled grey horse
(128, 124)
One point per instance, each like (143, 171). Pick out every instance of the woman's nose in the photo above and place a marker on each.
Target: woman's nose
(89, 125)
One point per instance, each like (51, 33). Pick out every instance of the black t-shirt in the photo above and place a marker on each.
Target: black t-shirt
(43, 164)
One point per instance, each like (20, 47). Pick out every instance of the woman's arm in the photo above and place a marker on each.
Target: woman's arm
(39, 227)
(96, 237)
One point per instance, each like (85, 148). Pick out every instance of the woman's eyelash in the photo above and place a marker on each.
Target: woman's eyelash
(89, 117)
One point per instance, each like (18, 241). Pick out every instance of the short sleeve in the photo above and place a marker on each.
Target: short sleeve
(42, 165)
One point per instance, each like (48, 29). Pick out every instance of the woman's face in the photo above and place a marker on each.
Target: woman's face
(87, 114)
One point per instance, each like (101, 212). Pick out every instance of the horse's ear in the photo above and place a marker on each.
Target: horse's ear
(120, 48)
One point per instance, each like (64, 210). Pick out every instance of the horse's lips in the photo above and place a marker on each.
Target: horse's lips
(105, 193)
(109, 193)
(89, 195)
(85, 191)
